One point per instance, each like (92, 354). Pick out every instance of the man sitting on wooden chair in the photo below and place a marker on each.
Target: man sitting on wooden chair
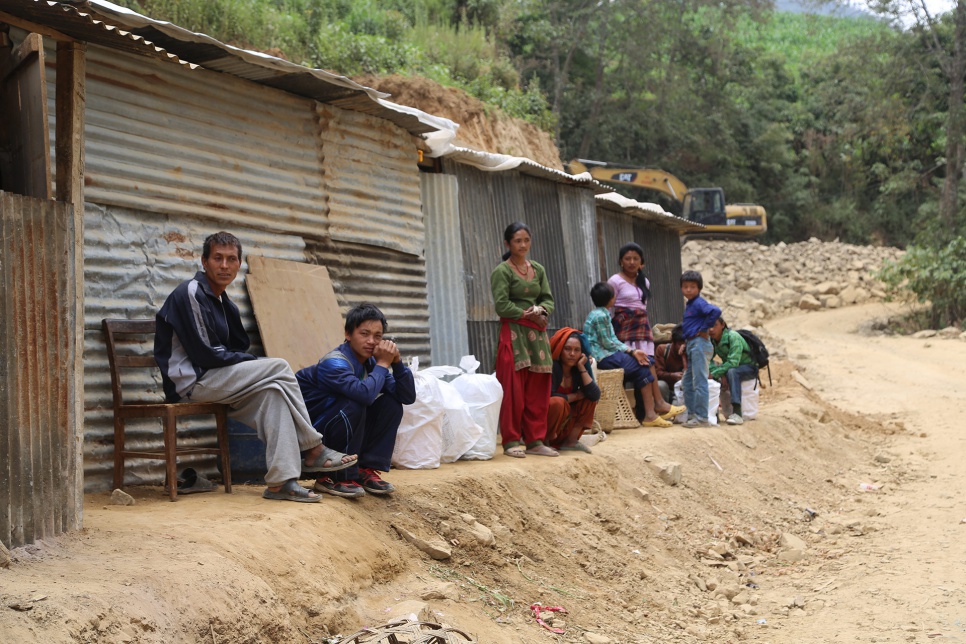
(202, 350)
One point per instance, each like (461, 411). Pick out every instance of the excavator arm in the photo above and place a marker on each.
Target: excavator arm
(659, 180)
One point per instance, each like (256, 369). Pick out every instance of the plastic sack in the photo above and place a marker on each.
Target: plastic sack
(460, 431)
(749, 400)
(419, 440)
(714, 397)
(483, 394)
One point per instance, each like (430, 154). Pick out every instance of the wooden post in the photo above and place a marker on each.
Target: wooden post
(70, 102)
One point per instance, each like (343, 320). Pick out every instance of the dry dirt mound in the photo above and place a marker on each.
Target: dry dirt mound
(482, 127)
(631, 558)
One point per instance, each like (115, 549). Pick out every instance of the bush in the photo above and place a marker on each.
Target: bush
(936, 277)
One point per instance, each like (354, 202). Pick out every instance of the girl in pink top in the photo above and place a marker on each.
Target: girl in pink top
(632, 289)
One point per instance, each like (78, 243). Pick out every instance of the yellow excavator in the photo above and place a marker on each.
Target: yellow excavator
(700, 205)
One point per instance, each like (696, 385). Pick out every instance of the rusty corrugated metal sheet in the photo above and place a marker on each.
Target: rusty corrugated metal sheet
(444, 269)
(124, 30)
(71, 21)
(392, 280)
(662, 261)
(38, 443)
(133, 260)
(372, 181)
(317, 84)
(165, 139)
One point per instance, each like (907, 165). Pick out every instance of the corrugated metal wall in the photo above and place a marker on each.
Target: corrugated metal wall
(372, 181)
(162, 138)
(578, 216)
(392, 280)
(444, 269)
(561, 218)
(38, 448)
(133, 260)
(662, 261)
(173, 155)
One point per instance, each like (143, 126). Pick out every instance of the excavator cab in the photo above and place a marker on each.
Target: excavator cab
(705, 206)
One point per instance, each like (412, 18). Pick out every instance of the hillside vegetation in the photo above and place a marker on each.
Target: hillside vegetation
(840, 127)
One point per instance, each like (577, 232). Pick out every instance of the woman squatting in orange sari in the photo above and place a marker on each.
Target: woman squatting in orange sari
(573, 391)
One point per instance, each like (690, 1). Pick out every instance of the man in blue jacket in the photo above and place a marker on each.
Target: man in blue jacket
(202, 350)
(355, 396)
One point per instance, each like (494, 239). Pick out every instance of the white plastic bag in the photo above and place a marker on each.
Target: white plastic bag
(714, 397)
(749, 399)
(460, 431)
(419, 440)
(484, 395)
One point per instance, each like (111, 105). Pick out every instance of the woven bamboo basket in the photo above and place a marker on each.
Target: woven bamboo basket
(613, 410)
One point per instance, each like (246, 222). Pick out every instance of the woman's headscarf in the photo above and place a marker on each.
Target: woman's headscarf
(560, 338)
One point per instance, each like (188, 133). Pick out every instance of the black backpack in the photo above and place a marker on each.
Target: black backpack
(757, 349)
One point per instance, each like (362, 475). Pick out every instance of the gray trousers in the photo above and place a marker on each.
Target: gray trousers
(264, 395)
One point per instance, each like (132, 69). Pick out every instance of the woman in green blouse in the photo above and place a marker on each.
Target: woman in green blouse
(521, 295)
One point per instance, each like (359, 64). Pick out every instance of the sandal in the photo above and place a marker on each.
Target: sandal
(657, 422)
(329, 456)
(673, 412)
(516, 451)
(576, 447)
(292, 491)
(543, 450)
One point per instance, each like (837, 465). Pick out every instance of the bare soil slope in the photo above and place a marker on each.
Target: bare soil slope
(631, 558)
(482, 127)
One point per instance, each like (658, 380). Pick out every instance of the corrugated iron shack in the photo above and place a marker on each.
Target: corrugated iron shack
(469, 205)
(150, 137)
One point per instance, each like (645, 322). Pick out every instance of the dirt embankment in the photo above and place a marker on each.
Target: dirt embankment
(482, 127)
(769, 535)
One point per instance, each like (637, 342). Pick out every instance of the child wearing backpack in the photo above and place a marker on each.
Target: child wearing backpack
(737, 365)
(699, 317)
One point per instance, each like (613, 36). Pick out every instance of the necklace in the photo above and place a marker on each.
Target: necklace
(526, 268)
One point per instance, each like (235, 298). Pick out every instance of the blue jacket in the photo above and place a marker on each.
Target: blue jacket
(699, 316)
(196, 331)
(340, 375)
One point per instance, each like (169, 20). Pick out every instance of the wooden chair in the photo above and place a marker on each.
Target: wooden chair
(168, 412)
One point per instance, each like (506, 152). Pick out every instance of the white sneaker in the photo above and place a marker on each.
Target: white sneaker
(735, 419)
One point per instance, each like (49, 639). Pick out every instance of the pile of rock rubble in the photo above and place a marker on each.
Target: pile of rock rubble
(753, 283)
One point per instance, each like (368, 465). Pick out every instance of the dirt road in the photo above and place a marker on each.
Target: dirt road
(633, 559)
(908, 582)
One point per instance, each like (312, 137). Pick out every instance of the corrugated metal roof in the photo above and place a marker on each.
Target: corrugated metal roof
(650, 212)
(372, 181)
(492, 162)
(118, 28)
(74, 22)
(444, 269)
(264, 69)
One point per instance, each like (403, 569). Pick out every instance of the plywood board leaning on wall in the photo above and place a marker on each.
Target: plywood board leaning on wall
(295, 306)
